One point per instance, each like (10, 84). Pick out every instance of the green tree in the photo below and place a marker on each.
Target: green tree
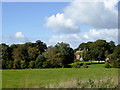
(39, 61)
(3, 64)
(32, 64)
(66, 53)
(115, 57)
(32, 53)
(23, 64)
(40, 46)
(5, 52)
(112, 46)
(53, 57)
(98, 49)
(16, 64)
(20, 53)
(9, 64)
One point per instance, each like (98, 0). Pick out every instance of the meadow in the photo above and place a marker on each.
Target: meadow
(60, 78)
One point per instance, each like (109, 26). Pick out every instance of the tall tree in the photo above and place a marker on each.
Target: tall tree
(20, 53)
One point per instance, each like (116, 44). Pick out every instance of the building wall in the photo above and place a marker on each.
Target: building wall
(77, 56)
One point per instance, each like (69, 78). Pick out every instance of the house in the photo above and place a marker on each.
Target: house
(77, 53)
(107, 59)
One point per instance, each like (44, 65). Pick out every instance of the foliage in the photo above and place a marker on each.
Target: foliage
(9, 64)
(16, 64)
(53, 57)
(33, 52)
(3, 64)
(20, 53)
(59, 55)
(115, 57)
(23, 64)
(67, 53)
(85, 65)
(39, 61)
(5, 52)
(107, 65)
(98, 49)
(76, 65)
(76, 60)
(32, 64)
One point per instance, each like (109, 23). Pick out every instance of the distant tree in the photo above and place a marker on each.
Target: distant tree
(12, 47)
(83, 55)
(39, 61)
(115, 57)
(16, 64)
(41, 46)
(88, 56)
(53, 57)
(3, 64)
(9, 64)
(23, 64)
(84, 46)
(5, 52)
(32, 53)
(66, 53)
(106, 54)
(32, 64)
(98, 49)
(20, 53)
(112, 46)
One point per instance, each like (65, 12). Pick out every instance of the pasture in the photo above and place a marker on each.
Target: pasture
(57, 77)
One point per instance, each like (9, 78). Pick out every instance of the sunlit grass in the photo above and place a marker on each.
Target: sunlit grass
(30, 78)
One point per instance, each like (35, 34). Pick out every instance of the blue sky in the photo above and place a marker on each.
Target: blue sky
(29, 18)
(53, 22)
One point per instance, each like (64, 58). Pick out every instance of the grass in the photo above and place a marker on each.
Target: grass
(0, 79)
(35, 78)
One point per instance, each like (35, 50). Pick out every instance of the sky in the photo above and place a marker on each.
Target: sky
(53, 22)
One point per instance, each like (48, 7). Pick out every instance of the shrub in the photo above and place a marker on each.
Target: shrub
(85, 65)
(107, 65)
(23, 64)
(75, 65)
(32, 64)
(76, 60)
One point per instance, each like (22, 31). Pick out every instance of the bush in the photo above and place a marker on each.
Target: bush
(107, 65)
(75, 65)
(76, 60)
(85, 65)
(23, 64)
(32, 64)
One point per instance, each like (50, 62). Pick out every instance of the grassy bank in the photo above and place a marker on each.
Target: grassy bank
(31, 78)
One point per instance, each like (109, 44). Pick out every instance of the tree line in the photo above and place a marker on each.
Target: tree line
(38, 55)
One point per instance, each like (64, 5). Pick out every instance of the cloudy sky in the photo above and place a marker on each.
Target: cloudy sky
(52, 22)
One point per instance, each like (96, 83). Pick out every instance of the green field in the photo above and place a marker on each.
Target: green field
(62, 77)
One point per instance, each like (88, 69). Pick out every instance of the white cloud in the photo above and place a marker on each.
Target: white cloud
(17, 38)
(99, 15)
(75, 39)
(58, 23)
(19, 35)
(95, 14)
